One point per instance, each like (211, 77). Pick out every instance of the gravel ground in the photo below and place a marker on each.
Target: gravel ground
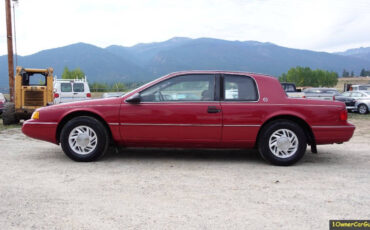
(41, 188)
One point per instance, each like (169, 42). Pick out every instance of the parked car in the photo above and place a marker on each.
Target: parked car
(2, 102)
(291, 90)
(347, 98)
(321, 93)
(365, 87)
(362, 104)
(112, 94)
(260, 116)
(69, 90)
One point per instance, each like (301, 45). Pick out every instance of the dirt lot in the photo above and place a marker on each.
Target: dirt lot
(41, 188)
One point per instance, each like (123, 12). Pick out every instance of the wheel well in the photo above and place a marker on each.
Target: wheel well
(302, 123)
(363, 104)
(78, 114)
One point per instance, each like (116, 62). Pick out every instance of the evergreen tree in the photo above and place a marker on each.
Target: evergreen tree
(345, 73)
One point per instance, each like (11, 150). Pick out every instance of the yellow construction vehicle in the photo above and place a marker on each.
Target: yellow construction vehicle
(29, 94)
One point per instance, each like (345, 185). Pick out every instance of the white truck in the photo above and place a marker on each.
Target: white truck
(69, 90)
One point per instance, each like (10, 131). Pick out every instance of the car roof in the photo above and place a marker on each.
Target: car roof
(252, 74)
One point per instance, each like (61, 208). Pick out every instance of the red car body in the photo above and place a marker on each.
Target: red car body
(187, 124)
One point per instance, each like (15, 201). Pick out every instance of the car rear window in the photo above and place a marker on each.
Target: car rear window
(66, 87)
(239, 88)
(78, 87)
(288, 87)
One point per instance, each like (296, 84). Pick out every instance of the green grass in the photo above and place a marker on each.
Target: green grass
(357, 116)
(2, 127)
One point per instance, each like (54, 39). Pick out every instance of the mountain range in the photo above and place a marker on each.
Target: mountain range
(144, 62)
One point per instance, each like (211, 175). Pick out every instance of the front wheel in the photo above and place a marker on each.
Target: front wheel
(84, 139)
(282, 142)
(362, 109)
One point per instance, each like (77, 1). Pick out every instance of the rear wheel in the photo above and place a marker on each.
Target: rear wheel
(282, 142)
(362, 109)
(84, 139)
(9, 116)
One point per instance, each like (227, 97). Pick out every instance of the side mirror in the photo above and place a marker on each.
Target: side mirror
(134, 99)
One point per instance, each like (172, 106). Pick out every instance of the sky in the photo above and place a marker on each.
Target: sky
(320, 25)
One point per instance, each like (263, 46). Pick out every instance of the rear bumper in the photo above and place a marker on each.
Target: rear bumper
(45, 131)
(333, 134)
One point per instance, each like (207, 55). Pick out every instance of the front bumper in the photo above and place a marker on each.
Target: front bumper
(351, 107)
(45, 131)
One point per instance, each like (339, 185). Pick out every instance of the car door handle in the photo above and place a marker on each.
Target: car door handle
(213, 109)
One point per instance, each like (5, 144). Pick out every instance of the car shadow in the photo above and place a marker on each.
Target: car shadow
(232, 155)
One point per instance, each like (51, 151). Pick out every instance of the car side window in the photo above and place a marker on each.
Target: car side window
(66, 87)
(356, 94)
(239, 88)
(78, 87)
(192, 87)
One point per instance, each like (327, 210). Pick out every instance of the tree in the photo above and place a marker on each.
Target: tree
(66, 73)
(73, 74)
(304, 76)
(345, 73)
(362, 74)
(365, 73)
(119, 87)
(99, 87)
(352, 74)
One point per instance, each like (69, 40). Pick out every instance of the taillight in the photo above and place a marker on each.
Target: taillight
(343, 115)
(88, 95)
(333, 98)
(303, 96)
(56, 95)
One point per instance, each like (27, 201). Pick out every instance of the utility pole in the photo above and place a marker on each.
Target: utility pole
(10, 49)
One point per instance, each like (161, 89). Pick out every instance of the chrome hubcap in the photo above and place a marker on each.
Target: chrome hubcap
(362, 109)
(283, 143)
(83, 140)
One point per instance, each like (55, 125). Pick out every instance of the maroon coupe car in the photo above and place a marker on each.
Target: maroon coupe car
(205, 109)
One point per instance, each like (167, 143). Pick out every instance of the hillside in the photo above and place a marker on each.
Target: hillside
(362, 52)
(144, 62)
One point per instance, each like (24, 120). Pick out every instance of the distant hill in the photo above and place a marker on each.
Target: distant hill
(144, 62)
(362, 52)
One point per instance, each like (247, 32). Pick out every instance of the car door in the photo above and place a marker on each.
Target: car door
(241, 116)
(79, 91)
(182, 110)
(66, 92)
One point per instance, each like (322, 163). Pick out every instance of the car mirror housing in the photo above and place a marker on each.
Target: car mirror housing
(134, 99)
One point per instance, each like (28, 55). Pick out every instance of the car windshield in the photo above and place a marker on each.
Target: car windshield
(143, 86)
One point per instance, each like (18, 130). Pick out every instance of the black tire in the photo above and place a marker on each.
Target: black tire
(9, 116)
(277, 126)
(101, 134)
(362, 109)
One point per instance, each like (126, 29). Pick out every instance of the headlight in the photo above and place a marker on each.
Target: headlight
(35, 115)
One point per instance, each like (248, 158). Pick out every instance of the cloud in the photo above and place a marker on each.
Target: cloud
(326, 25)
